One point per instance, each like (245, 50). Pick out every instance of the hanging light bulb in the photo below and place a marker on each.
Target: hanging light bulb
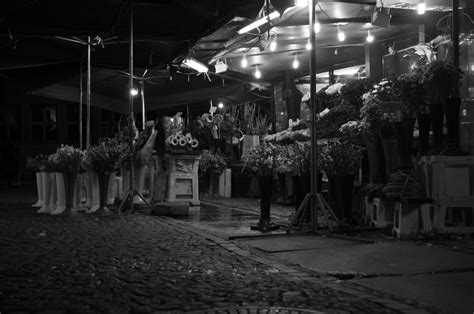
(257, 72)
(220, 105)
(296, 63)
(369, 38)
(316, 26)
(244, 61)
(273, 44)
(308, 45)
(340, 34)
(421, 7)
(134, 91)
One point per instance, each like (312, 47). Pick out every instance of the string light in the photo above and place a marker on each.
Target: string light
(244, 61)
(257, 72)
(340, 34)
(421, 8)
(369, 38)
(296, 63)
(308, 45)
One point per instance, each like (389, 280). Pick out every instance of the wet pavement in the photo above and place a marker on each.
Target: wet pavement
(134, 263)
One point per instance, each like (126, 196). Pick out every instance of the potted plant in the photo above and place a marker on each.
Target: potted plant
(412, 93)
(442, 78)
(261, 161)
(103, 159)
(340, 161)
(380, 131)
(211, 166)
(67, 161)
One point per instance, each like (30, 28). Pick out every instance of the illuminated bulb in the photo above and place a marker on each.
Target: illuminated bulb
(244, 62)
(296, 63)
(273, 45)
(340, 34)
(308, 45)
(134, 91)
(369, 38)
(421, 8)
(220, 105)
(317, 27)
(257, 73)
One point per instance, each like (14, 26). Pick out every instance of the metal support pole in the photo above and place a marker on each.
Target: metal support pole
(455, 33)
(142, 87)
(88, 93)
(80, 104)
(314, 145)
(455, 38)
(130, 107)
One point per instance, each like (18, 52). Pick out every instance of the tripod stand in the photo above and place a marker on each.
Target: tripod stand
(131, 191)
(305, 210)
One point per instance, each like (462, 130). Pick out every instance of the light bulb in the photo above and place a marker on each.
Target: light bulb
(244, 62)
(257, 73)
(273, 45)
(296, 63)
(308, 45)
(317, 27)
(220, 105)
(134, 91)
(421, 8)
(369, 38)
(340, 34)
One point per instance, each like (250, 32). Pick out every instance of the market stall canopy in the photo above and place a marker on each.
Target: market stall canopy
(42, 45)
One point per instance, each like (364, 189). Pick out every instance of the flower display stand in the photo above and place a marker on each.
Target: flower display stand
(225, 183)
(39, 190)
(406, 215)
(382, 213)
(449, 182)
(182, 178)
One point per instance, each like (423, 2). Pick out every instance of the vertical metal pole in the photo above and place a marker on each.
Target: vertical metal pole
(314, 145)
(88, 93)
(80, 104)
(455, 38)
(455, 33)
(142, 83)
(130, 107)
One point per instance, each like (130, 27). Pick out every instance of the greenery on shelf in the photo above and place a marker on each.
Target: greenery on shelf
(212, 162)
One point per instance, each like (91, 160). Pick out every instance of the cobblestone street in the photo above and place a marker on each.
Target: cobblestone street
(138, 263)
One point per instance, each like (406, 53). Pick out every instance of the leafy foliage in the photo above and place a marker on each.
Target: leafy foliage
(214, 162)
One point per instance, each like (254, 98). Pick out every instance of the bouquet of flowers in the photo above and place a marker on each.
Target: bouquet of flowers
(374, 119)
(341, 158)
(261, 159)
(105, 156)
(383, 90)
(410, 90)
(37, 163)
(212, 161)
(179, 141)
(66, 159)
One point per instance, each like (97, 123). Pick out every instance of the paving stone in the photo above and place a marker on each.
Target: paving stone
(139, 263)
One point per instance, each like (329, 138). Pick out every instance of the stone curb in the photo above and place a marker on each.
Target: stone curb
(301, 275)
